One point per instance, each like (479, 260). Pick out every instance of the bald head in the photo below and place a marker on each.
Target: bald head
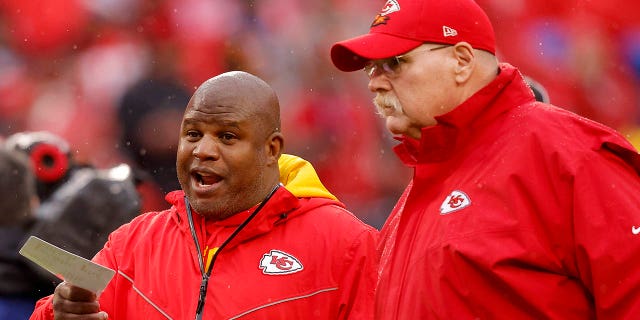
(230, 142)
(239, 89)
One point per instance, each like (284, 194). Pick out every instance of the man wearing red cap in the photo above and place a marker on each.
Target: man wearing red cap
(517, 209)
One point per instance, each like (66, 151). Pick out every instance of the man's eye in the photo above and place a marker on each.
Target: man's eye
(227, 136)
(193, 134)
(394, 63)
(390, 66)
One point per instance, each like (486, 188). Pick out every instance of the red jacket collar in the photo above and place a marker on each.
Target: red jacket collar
(283, 205)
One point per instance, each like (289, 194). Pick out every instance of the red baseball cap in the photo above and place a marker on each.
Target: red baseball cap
(403, 25)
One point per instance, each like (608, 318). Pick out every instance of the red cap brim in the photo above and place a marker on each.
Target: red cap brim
(353, 54)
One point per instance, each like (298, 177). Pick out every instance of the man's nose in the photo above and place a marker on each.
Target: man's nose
(207, 148)
(379, 82)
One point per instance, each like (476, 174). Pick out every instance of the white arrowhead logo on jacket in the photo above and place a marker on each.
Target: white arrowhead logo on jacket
(278, 262)
(454, 202)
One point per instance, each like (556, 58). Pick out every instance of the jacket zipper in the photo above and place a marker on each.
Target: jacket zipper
(207, 274)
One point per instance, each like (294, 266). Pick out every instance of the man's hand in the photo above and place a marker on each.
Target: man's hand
(71, 302)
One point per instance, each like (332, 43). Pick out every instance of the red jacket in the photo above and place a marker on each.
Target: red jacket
(516, 210)
(299, 258)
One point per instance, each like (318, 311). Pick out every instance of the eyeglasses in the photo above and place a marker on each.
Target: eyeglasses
(391, 66)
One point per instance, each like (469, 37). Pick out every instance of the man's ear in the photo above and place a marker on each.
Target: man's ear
(275, 145)
(465, 61)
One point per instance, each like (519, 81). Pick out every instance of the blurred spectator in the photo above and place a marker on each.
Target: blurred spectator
(150, 114)
(18, 188)
(580, 50)
(19, 289)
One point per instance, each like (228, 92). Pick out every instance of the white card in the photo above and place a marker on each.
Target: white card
(67, 266)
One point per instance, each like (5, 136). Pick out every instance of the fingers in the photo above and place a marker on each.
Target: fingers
(71, 302)
(73, 293)
(94, 316)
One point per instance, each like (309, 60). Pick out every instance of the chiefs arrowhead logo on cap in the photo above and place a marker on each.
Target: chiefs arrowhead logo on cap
(389, 7)
(277, 262)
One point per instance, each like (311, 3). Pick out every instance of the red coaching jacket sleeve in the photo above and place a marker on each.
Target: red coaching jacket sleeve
(43, 309)
(607, 232)
(360, 276)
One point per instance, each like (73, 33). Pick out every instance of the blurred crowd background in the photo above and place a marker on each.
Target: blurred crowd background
(112, 77)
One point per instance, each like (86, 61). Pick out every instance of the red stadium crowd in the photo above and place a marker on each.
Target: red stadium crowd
(66, 66)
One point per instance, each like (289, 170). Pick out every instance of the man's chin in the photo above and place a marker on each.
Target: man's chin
(207, 210)
(395, 129)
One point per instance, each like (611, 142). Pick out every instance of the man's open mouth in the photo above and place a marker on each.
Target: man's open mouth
(206, 179)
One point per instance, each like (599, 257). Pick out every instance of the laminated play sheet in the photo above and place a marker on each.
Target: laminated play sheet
(67, 266)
